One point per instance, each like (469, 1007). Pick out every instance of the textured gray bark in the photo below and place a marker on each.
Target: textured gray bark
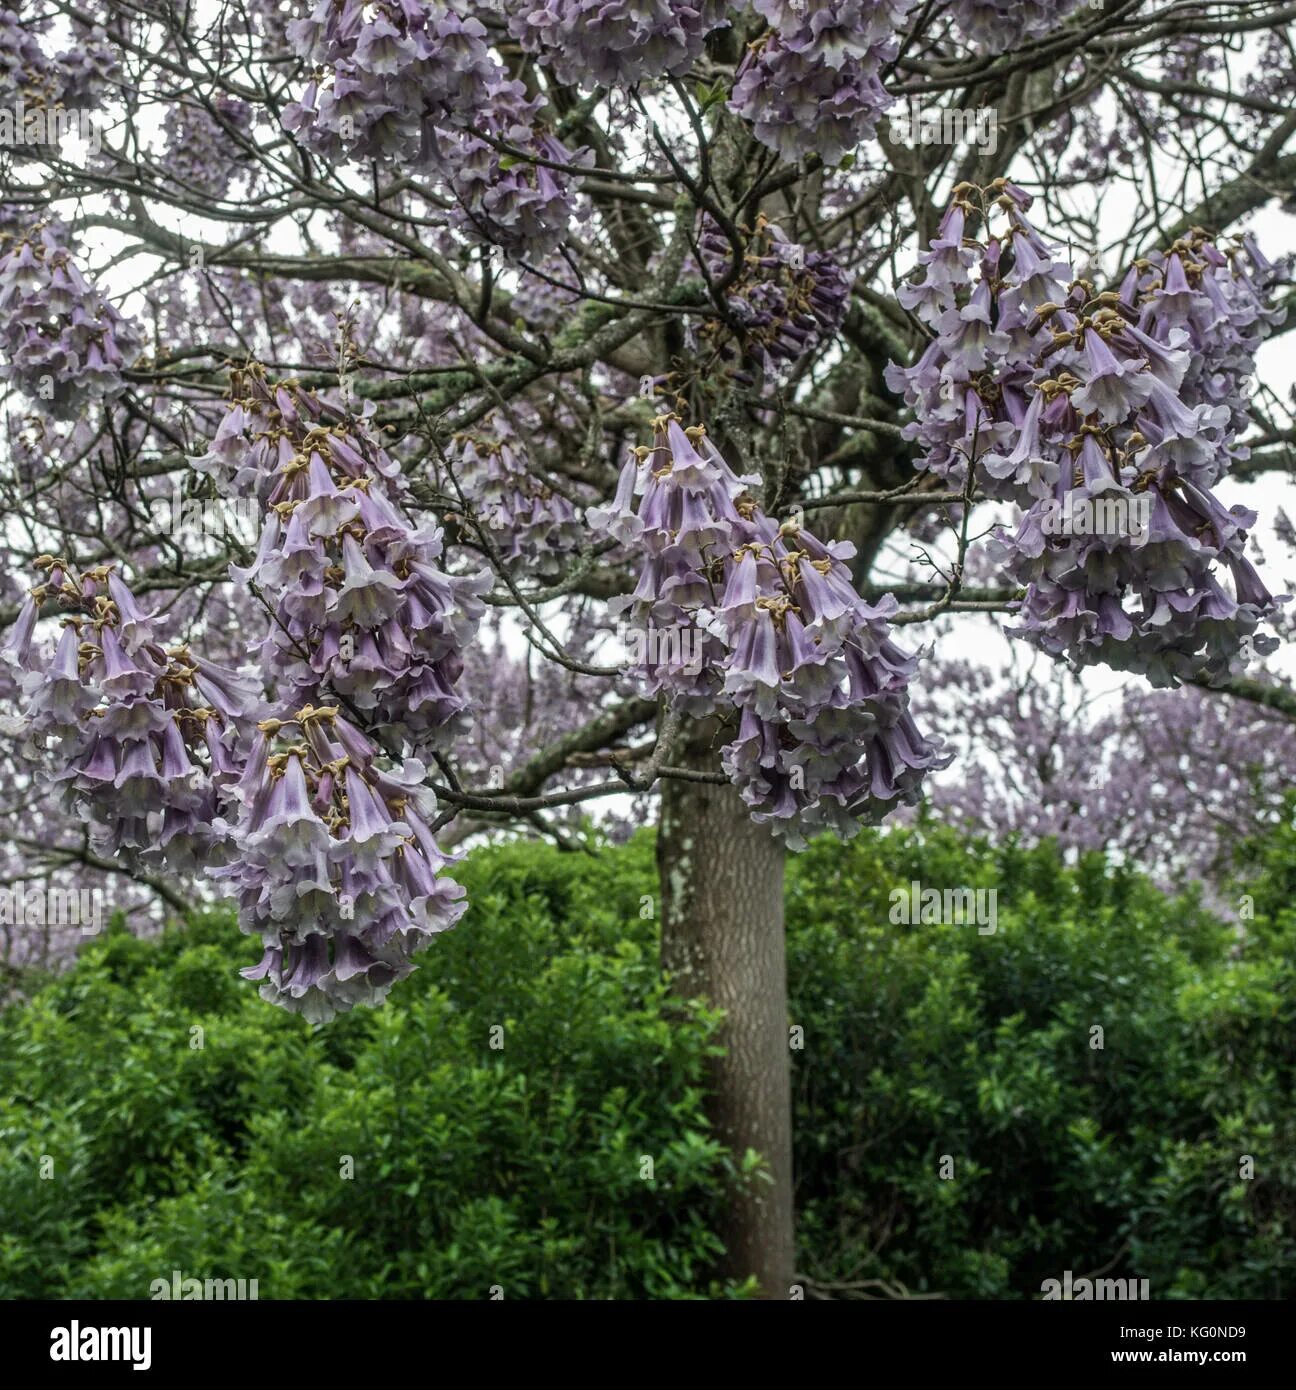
(723, 941)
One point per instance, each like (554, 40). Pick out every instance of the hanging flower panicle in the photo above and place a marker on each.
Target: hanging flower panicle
(769, 630)
(676, 504)
(520, 198)
(418, 84)
(363, 610)
(336, 869)
(62, 343)
(386, 77)
(813, 84)
(147, 738)
(994, 26)
(786, 301)
(527, 520)
(592, 43)
(1108, 416)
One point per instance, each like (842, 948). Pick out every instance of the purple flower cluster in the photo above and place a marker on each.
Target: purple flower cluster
(1108, 417)
(88, 69)
(417, 83)
(687, 525)
(526, 519)
(336, 869)
(202, 151)
(994, 26)
(147, 738)
(813, 84)
(61, 341)
(968, 389)
(1220, 304)
(172, 758)
(787, 300)
(771, 627)
(826, 740)
(505, 199)
(27, 76)
(616, 42)
(35, 87)
(363, 610)
(387, 76)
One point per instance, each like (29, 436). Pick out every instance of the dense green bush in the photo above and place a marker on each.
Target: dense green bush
(926, 1041)
(521, 1166)
(475, 1166)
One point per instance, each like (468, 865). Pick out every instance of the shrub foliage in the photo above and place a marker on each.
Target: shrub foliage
(525, 1114)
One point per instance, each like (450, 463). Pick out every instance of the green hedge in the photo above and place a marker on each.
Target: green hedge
(932, 1041)
(396, 1153)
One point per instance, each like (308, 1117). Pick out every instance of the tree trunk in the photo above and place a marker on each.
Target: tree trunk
(722, 941)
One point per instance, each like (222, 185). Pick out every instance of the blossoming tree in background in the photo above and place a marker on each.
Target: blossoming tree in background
(1173, 781)
(531, 337)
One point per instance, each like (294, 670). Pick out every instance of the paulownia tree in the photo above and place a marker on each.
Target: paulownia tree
(426, 418)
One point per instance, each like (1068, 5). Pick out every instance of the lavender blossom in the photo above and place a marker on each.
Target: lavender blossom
(687, 523)
(505, 199)
(1093, 427)
(363, 609)
(786, 301)
(389, 77)
(62, 343)
(995, 26)
(777, 633)
(418, 84)
(616, 42)
(336, 869)
(813, 85)
(526, 520)
(146, 738)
